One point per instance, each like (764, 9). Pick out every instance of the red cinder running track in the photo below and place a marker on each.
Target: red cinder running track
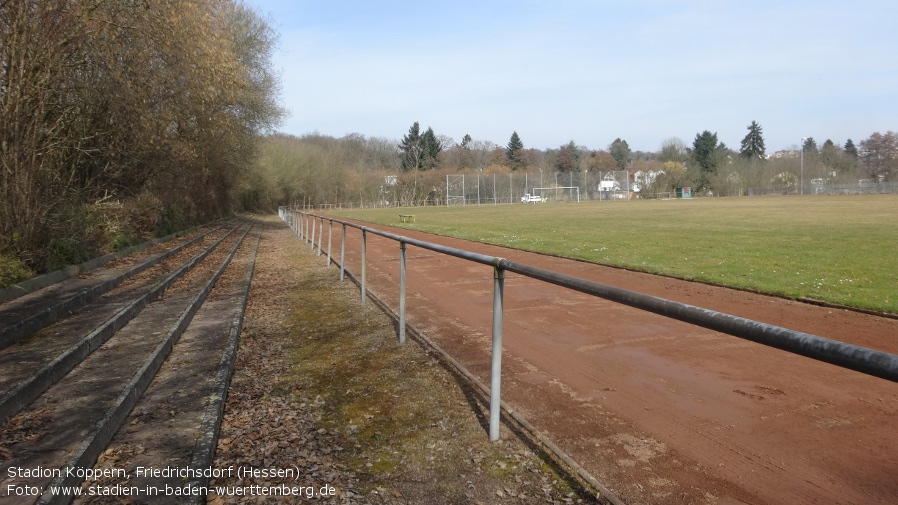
(658, 410)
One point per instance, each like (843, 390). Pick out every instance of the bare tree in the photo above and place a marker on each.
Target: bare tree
(879, 154)
(111, 99)
(673, 149)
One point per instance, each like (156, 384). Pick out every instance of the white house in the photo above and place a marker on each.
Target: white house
(644, 178)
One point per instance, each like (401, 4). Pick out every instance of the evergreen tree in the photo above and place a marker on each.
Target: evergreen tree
(620, 151)
(708, 154)
(753, 143)
(850, 149)
(810, 145)
(830, 155)
(411, 148)
(703, 148)
(430, 149)
(514, 151)
(465, 141)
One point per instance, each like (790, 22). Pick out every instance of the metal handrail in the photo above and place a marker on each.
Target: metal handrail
(861, 359)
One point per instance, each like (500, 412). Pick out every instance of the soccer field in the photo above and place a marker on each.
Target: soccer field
(840, 249)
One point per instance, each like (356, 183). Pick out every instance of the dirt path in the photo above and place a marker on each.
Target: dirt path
(658, 410)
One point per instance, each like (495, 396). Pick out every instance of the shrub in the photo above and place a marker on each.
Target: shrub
(67, 251)
(12, 270)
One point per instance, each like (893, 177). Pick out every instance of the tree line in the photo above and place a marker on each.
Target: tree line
(356, 170)
(720, 170)
(120, 120)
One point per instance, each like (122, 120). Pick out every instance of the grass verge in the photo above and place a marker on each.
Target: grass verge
(411, 429)
(322, 383)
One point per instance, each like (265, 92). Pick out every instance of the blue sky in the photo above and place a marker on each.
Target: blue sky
(589, 71)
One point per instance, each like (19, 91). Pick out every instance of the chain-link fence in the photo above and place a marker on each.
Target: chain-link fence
(493, 189)
(433, 188)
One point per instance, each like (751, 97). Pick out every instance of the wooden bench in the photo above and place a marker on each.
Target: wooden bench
(406, 218)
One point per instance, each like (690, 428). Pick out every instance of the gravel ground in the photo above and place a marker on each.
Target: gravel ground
(324, 393)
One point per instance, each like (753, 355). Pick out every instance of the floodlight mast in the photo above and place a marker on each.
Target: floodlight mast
(801, 169)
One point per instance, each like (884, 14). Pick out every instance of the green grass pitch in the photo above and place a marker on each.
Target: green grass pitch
(839, 249)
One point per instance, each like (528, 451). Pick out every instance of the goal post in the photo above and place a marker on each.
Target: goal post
(455, 189)
(572, 193)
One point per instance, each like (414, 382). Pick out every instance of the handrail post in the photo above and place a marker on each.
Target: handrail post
(343, 253)
(402, 247)
(320, 234)
(364, 247)
(305, 227)
(496, 373)
(330, 234)
(313, 231)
